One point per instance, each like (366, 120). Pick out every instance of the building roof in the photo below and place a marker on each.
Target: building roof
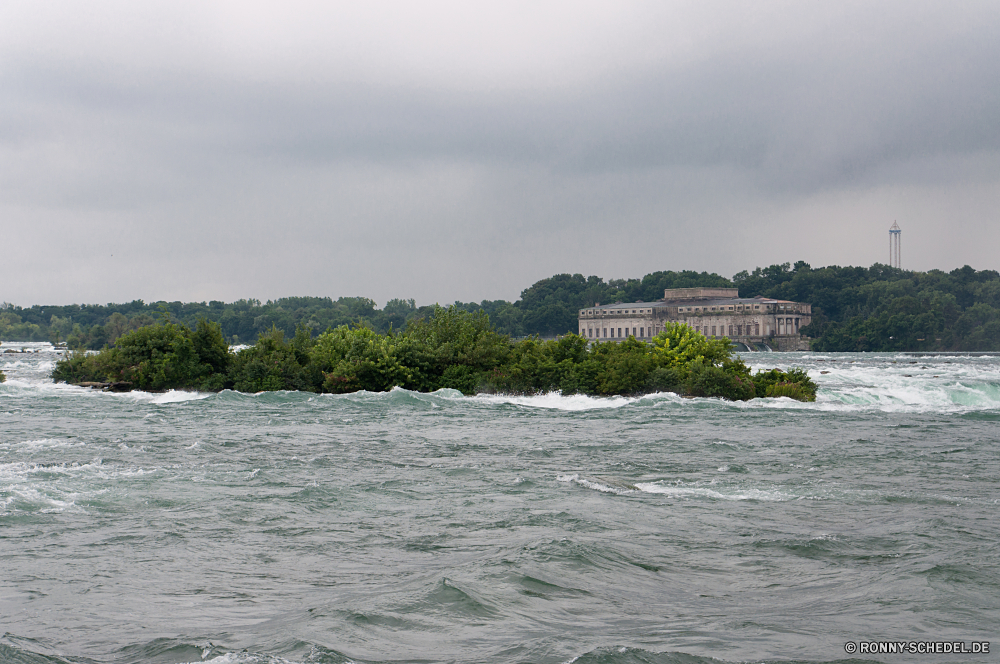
(625, 305)
(714, 302)
(700, 292)
(700, 303)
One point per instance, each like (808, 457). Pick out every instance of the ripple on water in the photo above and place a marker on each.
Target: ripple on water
(290, 527)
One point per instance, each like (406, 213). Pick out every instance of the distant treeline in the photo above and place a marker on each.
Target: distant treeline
(886, 309)
(549, 308)
(854, 309)
(451, 349)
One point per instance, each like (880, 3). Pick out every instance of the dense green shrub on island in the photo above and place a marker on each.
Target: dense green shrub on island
(349, 360)
(453, 349)
(794, 383)
(273, 364)
(155, 357)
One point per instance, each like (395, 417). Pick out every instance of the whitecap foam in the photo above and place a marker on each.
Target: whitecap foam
(179, 396)
(244, 658)
(35, 379)
(598, 484)
(682, 491)
(26, 384)
(558, 401)
(445, 392)
(41, 443)
(17, 470)
(892, 383)
(895, 394)
(31, 499)
(21, 471)
(247, 658)
(162, 398)
(605, 488)
(130, 472)
(677, 490)
(19, 364)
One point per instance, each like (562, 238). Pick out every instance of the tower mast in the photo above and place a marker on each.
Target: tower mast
(895, 238)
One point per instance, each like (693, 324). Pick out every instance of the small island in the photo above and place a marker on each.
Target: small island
(452, 349)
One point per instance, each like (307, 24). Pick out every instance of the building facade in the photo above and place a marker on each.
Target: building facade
(715, 312)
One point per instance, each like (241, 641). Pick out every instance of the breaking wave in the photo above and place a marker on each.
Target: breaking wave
(847, 383)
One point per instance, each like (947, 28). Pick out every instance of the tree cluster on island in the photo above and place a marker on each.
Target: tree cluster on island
(451, 349)
(854, 309)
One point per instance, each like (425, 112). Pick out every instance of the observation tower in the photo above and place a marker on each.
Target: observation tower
(895, 236)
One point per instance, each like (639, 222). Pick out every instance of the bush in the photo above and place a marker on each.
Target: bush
(626, 367)
(680, 346)
(541, 366)
(664, 379)
(361, 359)
(791, 390)
(766, 382)
(707, 380)
(79, 367)
(272, 364)
(453, 337)
(156, 357)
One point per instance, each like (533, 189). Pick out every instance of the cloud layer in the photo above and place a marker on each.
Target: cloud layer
(446, 151)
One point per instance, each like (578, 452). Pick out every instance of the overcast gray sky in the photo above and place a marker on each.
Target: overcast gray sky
(460, 150)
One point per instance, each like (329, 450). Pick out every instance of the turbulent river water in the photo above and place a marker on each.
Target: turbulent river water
(293, 527)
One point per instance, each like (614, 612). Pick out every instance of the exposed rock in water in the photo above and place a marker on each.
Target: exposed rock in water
(107, 387)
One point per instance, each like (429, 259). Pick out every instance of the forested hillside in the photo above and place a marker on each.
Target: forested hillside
(886, 309)
(242, 321)
(855, 308)
(547, 308)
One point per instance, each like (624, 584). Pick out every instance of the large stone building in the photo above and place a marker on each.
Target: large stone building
(715, 312)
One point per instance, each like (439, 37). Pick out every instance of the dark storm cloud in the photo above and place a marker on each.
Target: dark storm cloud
(818, 115)
(744, 134)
